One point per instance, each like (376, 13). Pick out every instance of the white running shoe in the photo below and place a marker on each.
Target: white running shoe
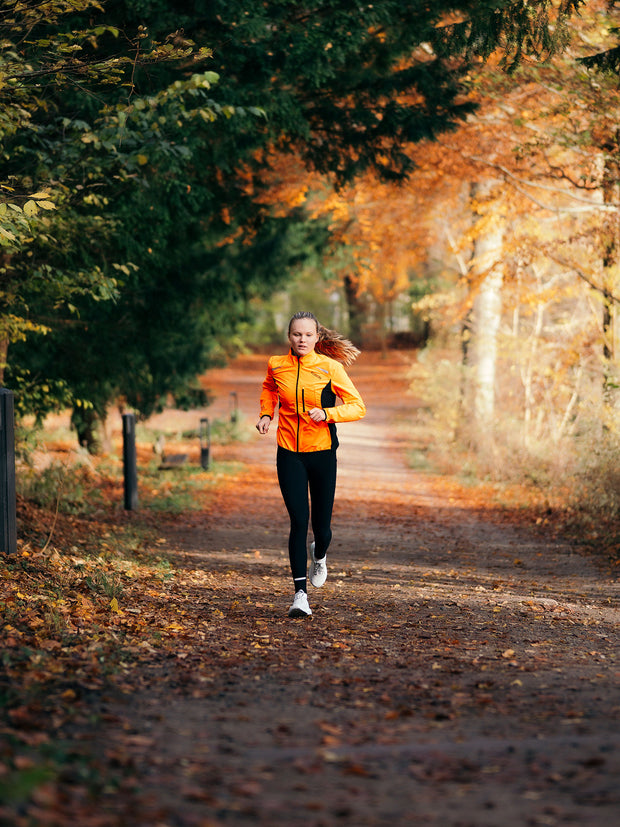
(300, 607)
(318, 569)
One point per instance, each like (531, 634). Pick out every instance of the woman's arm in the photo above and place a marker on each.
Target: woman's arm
(352, 407)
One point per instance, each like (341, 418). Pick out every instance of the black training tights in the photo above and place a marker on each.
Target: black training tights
(297, 472)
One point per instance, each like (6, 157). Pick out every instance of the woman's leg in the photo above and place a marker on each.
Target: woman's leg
(293, 479)
(322, 479)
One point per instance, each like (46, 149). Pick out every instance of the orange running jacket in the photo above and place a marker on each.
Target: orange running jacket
(300, 384)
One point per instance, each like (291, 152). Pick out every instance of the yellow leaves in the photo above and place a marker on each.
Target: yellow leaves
(124, 268)
(38, 201)
(7, 234)
(259, 645)
(42, 199)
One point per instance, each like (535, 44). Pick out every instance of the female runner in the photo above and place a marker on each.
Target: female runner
(305, 384)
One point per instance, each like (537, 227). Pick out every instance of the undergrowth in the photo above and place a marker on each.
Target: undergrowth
(572, 481)
(64, 638)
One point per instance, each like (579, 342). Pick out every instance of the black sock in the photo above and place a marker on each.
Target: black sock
(300, 583)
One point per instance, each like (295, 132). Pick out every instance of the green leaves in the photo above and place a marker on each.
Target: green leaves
(84, 157)
(16, 224)
(134, 244)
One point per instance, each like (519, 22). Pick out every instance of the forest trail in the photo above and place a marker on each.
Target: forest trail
(460, 666)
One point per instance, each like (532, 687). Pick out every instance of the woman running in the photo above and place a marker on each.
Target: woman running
(305, 383)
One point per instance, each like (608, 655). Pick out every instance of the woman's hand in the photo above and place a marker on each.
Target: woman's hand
(262, 426)
(318, 415)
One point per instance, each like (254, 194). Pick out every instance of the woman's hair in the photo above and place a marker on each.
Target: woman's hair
(330, 342)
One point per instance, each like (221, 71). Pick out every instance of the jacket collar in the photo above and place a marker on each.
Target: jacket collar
(308, 359)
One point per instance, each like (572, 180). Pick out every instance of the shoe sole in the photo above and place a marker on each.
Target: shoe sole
(299, 613)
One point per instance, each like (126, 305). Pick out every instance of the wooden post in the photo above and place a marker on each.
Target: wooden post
(8, 519)
(205, 443)
(130, 472)
(234, 413)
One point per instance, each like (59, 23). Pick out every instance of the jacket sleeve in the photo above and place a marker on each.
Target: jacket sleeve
(269, 394)
(352, 407)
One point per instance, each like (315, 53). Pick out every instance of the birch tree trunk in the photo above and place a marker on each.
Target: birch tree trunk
(611, 285)
(487, 279)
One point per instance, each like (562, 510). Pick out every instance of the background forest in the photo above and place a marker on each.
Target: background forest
(176, 178)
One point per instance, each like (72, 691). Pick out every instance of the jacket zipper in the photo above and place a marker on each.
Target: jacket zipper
(297, 400)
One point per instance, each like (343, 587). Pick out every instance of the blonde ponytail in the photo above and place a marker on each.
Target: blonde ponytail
(330, 342)
(335, 346)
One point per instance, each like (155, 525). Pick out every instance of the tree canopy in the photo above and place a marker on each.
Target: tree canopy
(132, 139)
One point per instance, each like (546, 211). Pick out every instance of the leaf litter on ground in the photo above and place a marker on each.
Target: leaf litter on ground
(164, 637)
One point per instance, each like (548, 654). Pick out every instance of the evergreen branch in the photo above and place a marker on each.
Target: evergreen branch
(608, 61)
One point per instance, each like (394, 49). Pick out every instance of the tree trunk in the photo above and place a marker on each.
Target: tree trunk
(465, 396)
(356, 309)
(611, 244)
(465, 384)
(87, 423)
(487, 315)
(488, 276)
(4, 355)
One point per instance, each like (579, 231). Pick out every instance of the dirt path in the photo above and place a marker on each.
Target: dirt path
(459, 668)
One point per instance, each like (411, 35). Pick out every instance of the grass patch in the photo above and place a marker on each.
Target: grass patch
(186, 488)
(418, 460)
(18, 785)
(71, 489)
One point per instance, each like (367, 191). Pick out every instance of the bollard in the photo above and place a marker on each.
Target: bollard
(234, 413)
(130, 472)
(205, 443)
(8, 508)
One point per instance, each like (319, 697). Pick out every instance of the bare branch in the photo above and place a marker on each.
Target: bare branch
(572, 266)
(519, 183)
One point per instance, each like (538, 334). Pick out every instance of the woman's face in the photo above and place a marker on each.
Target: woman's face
(303, 336)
